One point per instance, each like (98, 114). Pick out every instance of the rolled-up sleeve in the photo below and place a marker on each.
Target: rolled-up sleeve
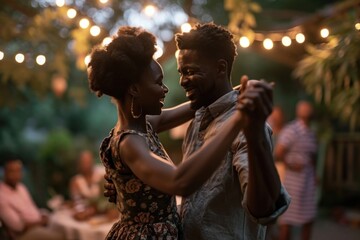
(240, 163)
(280, 207)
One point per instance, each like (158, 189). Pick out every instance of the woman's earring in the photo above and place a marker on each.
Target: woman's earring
(132, 110)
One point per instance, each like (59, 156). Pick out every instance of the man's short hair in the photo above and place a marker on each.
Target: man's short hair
(212, 40)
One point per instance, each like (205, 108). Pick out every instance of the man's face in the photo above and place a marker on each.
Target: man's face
(198, 77)
(13, 173)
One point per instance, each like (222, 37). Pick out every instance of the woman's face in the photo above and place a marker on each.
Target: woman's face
(152, 89)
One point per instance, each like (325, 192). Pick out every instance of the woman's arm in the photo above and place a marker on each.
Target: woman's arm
(192, 172)
(171, 117)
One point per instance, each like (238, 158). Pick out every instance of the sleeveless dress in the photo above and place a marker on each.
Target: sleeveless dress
(145, 213)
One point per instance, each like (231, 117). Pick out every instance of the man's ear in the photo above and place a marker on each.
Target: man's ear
(222, 66)
(134, 90)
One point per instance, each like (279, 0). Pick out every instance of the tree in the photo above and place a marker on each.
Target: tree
(330, 71)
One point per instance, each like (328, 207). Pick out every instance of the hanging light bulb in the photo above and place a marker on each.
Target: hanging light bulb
(84, 23)
(87, 60)
(324, 33)
(41, 59)
(71, 13)
(60, 3)
(19, 57)
(103, 1)
(106, 41)
(244, 42)
(300, 38)
(357, 26)
(268, 44)
(150, 10)
(185, 27)
(286, 41)
(95, 31)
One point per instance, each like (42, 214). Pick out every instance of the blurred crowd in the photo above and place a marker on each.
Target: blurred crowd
(22, 219)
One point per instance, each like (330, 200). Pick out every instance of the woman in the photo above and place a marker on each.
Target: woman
(145, 178)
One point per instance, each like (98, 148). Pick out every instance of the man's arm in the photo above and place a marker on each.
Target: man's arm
(10, 217)
(263, 187)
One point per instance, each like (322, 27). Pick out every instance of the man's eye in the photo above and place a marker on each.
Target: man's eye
(189, 72)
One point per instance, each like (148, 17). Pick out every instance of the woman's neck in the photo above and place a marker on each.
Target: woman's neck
(126, 121)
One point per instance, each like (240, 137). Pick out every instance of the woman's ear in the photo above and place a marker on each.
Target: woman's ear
(134, 90)
(222, 66)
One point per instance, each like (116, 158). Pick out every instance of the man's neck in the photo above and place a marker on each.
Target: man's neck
(11, 185)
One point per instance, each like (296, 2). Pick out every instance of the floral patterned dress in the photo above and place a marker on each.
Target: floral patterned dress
(146, 213)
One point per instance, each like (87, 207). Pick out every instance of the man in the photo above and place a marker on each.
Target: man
(297, 149)
(245, 193)
(17, 210)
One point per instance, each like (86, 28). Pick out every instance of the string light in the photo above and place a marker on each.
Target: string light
(244, 42)
(357, 26)
(84, 23)
(150, 10)
(60, 3)
(19, 57)
(71, 13)
(106, 41)
(268, 44)
(95, 31)
(324, 33)
(185, 27)
(286, 41)
(1, 55)
(87, 60)
(300, 38)
(41, 59)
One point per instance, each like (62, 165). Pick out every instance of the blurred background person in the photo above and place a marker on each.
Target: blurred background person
(297, 148)
(18, 212)
(85, 184)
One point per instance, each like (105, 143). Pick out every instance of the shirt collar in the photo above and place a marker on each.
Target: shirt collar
(221, 104)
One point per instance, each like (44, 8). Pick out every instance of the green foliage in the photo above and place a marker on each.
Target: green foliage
(242, 19)
(330, 72)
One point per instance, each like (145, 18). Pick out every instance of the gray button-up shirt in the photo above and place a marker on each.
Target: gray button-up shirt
(218, 209)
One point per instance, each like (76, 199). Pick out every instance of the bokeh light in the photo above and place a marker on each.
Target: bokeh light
(186, 27)
(1, 55)
(87, 60)
(300, 38)
(324, 33)
(84, 23)
(60, 3)
(95, 31)
(19, 57)
(244, 42)
(106, 41)
(150, 10)
(286, 41)
(41, 59)
(268, 44)
(71, 13)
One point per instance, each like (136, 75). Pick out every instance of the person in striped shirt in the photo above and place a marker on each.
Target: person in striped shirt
(297, 148)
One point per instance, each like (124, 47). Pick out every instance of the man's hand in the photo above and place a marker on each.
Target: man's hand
(257, 102)
(110, 191)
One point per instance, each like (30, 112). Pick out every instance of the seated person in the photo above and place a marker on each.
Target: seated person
(85, 187)
(18, 212)
(85, 184)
